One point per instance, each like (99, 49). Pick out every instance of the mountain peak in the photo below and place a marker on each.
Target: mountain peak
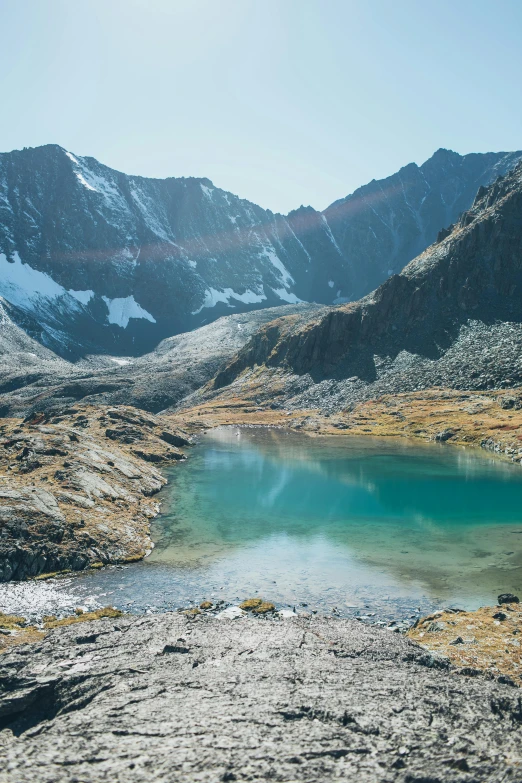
(130, 260)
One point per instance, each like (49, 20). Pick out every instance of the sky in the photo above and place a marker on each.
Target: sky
(283, 102)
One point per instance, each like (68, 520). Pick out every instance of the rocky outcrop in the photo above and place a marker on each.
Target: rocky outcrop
(173, 697)
(93, 260)
(76, 488)
(460, 301)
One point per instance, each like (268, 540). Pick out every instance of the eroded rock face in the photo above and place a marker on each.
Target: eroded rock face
(74, 491)
(177, 698)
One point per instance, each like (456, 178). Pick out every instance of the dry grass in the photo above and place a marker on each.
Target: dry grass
(482, 641)
(14, 630)
(20, 633)
(472, 417)
(84, 617)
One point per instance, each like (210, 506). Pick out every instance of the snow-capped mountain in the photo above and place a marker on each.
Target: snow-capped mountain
(100, 260)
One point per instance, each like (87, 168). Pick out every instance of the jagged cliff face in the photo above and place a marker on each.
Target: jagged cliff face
(467, 288)
(93, 259)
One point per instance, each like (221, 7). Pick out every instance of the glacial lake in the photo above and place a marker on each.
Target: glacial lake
(354, 525)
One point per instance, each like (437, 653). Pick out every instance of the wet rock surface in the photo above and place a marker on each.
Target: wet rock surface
(183, 698)
(74, 491)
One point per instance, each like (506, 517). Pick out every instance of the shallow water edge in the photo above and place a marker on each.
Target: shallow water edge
(381, 530)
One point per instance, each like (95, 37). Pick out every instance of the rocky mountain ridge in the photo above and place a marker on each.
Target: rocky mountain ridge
(93, 260)
(452, 318)
(36, 380)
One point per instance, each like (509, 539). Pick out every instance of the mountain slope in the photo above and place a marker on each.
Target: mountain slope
(452, 318)
(104, 261)
(387, 223)
(36, 382)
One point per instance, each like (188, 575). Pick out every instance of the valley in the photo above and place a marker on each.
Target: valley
(351, 466)
(260, 392)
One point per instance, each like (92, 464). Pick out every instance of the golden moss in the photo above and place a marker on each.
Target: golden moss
(251, 603)
(192, 612)
(51, 575)
(10, 621)
(133, 558)
(85, 617)
(264, 608)
(206, 605)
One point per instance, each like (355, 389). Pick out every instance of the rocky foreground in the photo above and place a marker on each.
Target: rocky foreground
(177, 698)
(76, 487)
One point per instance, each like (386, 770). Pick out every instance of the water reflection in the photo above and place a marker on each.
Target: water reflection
(338, 513)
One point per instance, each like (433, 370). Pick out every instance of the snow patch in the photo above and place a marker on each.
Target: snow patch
(96, 183)
(286, 296)
(230, 613)
(82, 296)
(121, 310)
(331, 283)
(286, 277)
(71, 157)
(24, 286)
(330, 235)
(213, 296)
(150, 213)
(206, 190)
(121, 362)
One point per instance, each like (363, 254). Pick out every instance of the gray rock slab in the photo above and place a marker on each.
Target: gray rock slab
(173, 698)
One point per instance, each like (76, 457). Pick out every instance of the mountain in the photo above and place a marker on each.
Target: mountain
(387, 223)
(452, 318)
(100, 261)
(18, 349)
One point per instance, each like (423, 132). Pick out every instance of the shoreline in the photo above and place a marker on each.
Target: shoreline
(491, 421)
(77, 488)
(487, 420)
(355, 423)
(486, 640)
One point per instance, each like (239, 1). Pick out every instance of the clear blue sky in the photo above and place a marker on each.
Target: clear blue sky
(280, 101)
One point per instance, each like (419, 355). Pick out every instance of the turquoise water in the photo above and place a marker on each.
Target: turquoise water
(357, 517)
(357, 525)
